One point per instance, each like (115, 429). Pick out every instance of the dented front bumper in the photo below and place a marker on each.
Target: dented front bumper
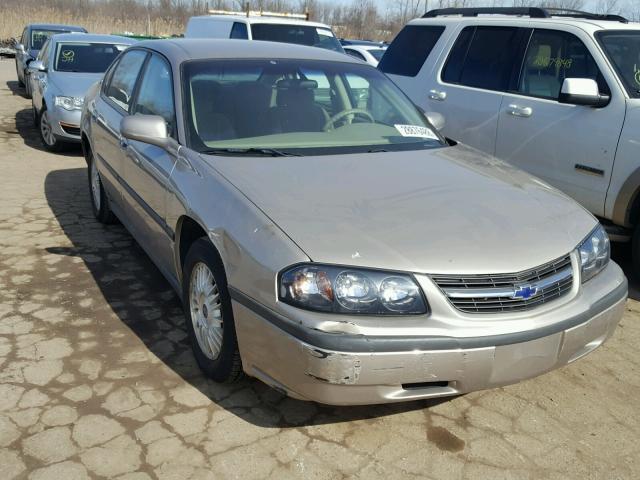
(365, 369)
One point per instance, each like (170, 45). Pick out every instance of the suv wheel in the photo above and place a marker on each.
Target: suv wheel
(99, 199)
(207, 308)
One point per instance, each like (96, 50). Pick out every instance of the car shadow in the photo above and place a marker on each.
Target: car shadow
(143, 300)
(15, 88)
(31, 137)
(621, 254)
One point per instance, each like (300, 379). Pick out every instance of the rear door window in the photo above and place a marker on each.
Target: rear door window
(239, 31)
(410, 49)
(123, 79)
(484, 57)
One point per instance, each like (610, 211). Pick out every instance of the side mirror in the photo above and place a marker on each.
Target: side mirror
(19, 47)
(151, 129)
(582, 91)
(37, 66)
(436, 119)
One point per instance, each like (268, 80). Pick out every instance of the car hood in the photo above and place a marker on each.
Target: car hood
(73, 84)
(446, 210)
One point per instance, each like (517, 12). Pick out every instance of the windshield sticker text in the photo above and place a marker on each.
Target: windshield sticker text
(416, 131)
(545, 62)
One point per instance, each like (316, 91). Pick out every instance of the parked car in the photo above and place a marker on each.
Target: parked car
(64, 70)
(33, 38)
(338, 249)
(556, 95)
(271, 27)
(366, 53)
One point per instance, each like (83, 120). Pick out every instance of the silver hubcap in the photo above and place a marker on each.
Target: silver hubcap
(95, 185)
(206, 311)
(45, 128)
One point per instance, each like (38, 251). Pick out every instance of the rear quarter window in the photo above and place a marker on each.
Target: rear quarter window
(410, 49)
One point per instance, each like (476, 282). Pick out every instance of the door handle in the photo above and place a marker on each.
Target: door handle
(518, 111)
(437, 95)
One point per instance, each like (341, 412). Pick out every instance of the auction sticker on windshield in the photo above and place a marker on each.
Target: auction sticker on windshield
(416, 131)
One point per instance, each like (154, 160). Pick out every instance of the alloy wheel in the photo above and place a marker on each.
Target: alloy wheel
(45, 129)
(206, 310)
(95, 186)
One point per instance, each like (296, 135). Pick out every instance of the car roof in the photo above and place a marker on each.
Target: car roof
(590, 25)
(56, 26)
(93, 38)
(178, 50)
(265, 19)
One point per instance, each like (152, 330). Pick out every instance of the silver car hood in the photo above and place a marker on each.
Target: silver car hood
(447, 210)
(73, 84)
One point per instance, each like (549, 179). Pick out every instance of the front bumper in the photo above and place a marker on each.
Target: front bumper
(366, 369)
(65, 124)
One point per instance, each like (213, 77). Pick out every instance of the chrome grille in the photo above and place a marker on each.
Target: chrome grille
(508, 292)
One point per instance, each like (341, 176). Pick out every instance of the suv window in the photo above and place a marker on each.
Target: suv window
(479, 57)
(623, 50)
(410, 49)
(124, 77)
(239, 30)
(155, 95)
(553, 56)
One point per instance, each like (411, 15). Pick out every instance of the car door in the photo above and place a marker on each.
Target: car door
(469, 86)
(38, 79)
(110, 106)
(571, 147)
(147, 168)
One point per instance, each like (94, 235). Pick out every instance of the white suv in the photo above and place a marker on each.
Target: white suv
(555, 93)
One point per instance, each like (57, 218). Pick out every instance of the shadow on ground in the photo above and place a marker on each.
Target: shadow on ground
(138, 294)
(25, 127)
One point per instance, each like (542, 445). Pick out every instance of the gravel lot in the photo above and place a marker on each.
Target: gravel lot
(97, 379)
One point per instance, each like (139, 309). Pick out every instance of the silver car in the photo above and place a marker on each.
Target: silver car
(67, 65)
(325, 239)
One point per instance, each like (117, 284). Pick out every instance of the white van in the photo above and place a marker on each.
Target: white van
(273, 27)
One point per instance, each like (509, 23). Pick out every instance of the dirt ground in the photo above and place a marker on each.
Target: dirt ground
(97, 379)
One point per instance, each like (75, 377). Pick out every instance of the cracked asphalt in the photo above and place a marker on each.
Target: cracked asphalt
(97, 379)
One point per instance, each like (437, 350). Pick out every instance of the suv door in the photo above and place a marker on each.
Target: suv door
(110, 106)
(572, 147)
(469, 87)
(147, 168)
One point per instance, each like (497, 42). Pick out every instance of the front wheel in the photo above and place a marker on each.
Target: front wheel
(99, 199)
(27, 86)
(49, 139)
(207, 307)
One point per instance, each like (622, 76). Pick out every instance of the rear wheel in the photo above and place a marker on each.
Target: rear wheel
(209, 315)
(99, 199)
(49, 139)
(27, 86)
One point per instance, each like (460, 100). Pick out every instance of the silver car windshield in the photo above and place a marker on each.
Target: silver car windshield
(304, 107)
(38, 37)
(85, 57)
(623, 49)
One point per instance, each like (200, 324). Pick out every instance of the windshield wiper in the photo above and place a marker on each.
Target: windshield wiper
(271, 152)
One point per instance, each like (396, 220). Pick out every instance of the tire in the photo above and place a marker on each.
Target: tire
(20, 82)
(27, 86)
(205, 297)
(47, 136)
(99, 199)
(34, 113)
(635, 251)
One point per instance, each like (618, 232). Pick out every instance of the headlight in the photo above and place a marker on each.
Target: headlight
(346, 290)
(594, 253)
(69, 103)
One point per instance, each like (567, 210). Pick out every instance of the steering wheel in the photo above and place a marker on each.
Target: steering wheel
(351, 111)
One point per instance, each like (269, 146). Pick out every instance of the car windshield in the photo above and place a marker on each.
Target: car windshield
(377, 53)
(623, 49)
(38, 37)
(304, 107)
(299, 34)
(86, 57)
